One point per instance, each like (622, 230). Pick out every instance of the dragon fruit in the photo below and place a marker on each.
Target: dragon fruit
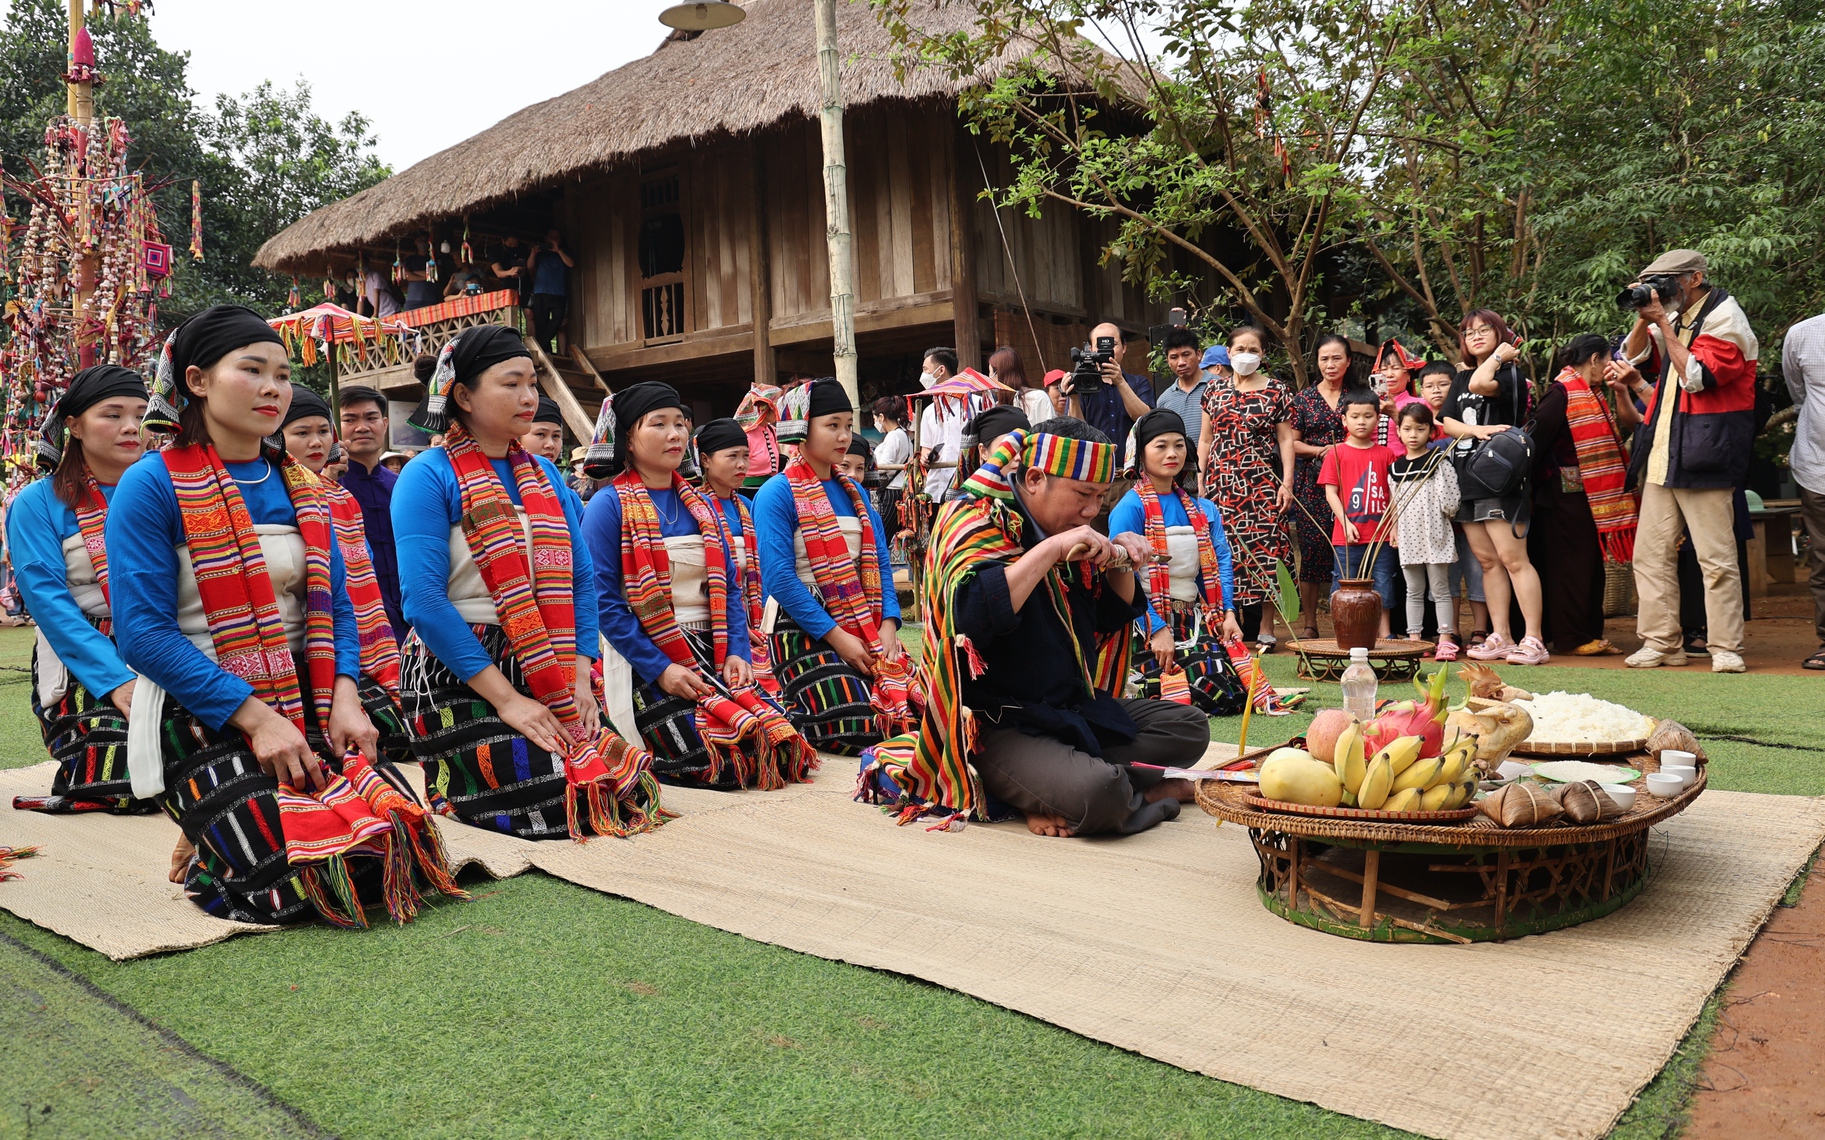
(1424, 718)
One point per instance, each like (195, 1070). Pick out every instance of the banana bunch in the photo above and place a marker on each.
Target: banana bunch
(1397, 779)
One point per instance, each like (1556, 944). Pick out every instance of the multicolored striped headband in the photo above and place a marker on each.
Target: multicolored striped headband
(1070, 458)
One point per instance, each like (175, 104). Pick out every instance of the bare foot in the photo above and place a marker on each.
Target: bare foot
(180, 858)
(1053, 825)
(1181, 790)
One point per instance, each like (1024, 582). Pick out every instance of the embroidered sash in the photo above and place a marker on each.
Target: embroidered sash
(729, 717)
(607, 776)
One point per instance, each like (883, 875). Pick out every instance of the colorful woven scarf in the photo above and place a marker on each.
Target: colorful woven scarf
(1159, 574)
(358, 813)
(1602, 467)
(729, 717)
(851, 593)
(753, 594)
(91, 520)
(379, 650)
(931, 764)
(606, 775)
(236, 592)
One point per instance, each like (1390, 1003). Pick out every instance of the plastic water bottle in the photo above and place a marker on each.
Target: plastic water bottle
(1359, 686)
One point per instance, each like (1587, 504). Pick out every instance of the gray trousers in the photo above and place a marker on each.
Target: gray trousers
(1040, 775)
(1812, 513)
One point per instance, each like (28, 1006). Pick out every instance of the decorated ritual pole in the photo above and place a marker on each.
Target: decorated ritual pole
(836, 204)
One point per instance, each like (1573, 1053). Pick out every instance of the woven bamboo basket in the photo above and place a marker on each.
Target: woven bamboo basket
(1618, 588)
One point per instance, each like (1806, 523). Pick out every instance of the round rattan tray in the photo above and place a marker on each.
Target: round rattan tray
(1458, 882)
(1580, 747)
(1457, 815)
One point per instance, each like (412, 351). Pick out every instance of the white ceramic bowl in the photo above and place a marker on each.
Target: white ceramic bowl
(1663, 785)
(1674, 758)
(1687, 776)
(1621, 793)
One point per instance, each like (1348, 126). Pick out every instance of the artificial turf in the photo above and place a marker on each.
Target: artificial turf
(545, 1008)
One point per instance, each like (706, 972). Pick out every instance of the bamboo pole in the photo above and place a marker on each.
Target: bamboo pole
(836, 204)
(81, 96)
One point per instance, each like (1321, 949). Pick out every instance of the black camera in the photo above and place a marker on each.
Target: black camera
(1087, 367)
(1637, 297)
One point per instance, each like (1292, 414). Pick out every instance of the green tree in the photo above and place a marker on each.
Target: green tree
(263, 160)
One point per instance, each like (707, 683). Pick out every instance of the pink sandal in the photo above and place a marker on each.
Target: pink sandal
(1531, 651)
(1447, 649)
(1495, 647)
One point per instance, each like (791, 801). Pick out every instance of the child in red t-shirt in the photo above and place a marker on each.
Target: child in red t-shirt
(1355, 481)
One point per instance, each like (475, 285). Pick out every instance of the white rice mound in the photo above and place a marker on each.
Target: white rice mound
(1579, 718)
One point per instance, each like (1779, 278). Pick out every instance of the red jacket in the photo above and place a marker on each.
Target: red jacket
(1713, 428)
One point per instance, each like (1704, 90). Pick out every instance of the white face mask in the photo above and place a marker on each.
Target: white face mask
(1244, 363)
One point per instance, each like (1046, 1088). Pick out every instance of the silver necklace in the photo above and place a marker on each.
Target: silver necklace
(261, 479)
(668, 520)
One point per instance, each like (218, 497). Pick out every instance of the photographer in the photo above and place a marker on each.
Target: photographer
(1118, 398)
(1691, 451)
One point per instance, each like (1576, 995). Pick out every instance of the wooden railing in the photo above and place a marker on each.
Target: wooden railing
(434, 326)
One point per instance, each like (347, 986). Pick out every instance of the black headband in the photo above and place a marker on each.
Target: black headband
(720, 435)
(305, 404)
(995, 422)
(1157, 423)
(481, 348)
(214, 333)
(548, 412)
(631, 405)
(827, 399)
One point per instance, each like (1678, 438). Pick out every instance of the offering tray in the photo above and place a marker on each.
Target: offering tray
(1450, 882)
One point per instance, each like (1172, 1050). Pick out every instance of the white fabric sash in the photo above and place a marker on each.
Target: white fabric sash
(283, 549)
(467, 592)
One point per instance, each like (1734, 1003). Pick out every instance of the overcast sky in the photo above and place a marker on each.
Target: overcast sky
(427, 74)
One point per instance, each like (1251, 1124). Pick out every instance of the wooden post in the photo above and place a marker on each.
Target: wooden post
(81, 101)
(1371, 872)
(967, 326)
(760, 279)
(336, 388)
(836, 205)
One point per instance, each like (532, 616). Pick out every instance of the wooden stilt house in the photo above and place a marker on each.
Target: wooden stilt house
(688, 185)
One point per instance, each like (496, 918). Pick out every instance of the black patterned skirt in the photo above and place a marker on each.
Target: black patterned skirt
(830, 704)
(1215, 688)
(668, 728)
(477, 767)
(229, 809)
(87, 736)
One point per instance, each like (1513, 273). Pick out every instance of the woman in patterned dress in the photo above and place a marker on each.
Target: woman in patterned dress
(1319, 427)
(1247, 445)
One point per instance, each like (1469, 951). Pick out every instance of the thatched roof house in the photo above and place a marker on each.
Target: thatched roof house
(688, 185)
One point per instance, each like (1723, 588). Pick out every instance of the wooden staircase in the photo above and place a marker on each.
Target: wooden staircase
(574, 384)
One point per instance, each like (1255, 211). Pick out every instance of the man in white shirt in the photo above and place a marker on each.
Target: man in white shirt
(1803, 364)
(941, 425)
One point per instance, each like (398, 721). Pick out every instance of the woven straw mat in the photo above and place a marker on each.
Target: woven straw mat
(1154, 943)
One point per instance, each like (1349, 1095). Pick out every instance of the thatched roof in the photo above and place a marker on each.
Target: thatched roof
(726, 82)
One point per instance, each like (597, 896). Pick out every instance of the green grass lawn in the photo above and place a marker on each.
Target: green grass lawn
(544, 1008)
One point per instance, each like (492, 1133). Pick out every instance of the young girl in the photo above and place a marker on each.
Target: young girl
(229, 597)
(498, 586)
(673, 612)
(1189, 614)
(823, 561)
(81, 689)
(1424, 488)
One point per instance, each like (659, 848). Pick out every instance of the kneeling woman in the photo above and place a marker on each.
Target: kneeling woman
(81, 689)
(310, 440)
(230, 604)
(498, 588)
(1188, 617)
(672, 609)
(723, 457)
(823, 559)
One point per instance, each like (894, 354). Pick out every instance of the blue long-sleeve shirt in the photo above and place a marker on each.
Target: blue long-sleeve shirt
(143, 534)
(1129, 516)
(776, 521)
(427, 502)
(602, 532)
(37, 526)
